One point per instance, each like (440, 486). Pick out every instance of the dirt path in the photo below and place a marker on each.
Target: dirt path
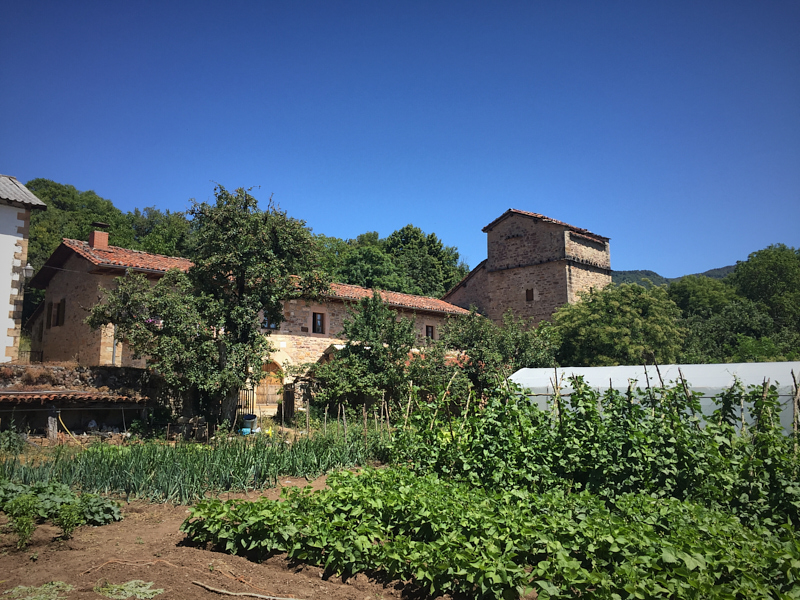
(146, 545)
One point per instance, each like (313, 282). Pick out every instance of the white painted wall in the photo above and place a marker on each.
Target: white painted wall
(9, 282)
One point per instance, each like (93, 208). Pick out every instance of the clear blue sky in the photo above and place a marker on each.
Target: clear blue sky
(673, 128)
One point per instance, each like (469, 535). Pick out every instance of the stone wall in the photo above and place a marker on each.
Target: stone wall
(582, 278)
(533, 267)
(296, 343)
(70, 295)
(77, 378)
(588, 250)
(472, 291)
(519, 241)
(544, 284)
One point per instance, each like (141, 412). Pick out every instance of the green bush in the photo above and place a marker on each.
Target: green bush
(70, 516)
(23, 512)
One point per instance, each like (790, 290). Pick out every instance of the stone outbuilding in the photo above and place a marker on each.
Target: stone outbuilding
(534, 265)
(16, 204)
(72, 278)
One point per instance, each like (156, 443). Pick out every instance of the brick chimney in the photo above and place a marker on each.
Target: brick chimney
(99, 240)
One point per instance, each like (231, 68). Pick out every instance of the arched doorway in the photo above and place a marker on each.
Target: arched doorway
(268, 391)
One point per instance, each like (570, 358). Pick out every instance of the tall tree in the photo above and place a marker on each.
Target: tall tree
(771, 277)
(619, 325)
(372, 364)
(491, 353)
(202, 329)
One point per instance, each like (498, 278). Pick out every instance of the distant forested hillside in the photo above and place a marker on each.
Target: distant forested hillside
(656, 279)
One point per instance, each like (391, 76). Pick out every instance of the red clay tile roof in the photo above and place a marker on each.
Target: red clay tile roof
(135, 259)
(115, 256)
(514, 211)
(48, 396)
(345, 291)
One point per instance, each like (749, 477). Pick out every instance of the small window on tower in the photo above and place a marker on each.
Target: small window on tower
(529, 295)
(318, 323)
(429, 331)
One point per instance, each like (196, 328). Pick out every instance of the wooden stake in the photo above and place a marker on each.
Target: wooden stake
(364, 413)
(410, 396)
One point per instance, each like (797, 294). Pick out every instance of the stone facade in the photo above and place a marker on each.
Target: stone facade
(59, 330)
(534, 265)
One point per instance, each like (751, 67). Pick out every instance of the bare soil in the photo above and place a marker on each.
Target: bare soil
(148, 545)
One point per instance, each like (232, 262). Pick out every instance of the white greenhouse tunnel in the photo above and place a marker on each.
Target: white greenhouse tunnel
(709, 380)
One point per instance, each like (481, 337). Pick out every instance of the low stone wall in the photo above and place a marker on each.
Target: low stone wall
(125, 381)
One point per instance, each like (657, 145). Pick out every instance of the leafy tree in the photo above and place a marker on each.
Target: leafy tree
(491, 353)
(167, 233)
(625, 324)
(371, 267)
(202, 329)
(372, 364)
(771, 277)
(431, 267)
(700, 295)
(408, 261)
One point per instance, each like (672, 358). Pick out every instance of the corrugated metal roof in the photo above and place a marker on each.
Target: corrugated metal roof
(13, 192)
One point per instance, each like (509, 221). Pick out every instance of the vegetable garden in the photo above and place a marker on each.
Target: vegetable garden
(635, 495)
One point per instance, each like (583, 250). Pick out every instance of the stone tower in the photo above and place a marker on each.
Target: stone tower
(534, 265)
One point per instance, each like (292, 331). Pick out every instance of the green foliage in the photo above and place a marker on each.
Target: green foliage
(69, 517)
(130, 589)
(52, 501)
(699, 295)
(186, 472)
(649, 442)
(491, 353)
(372, 364)
(625, 324)
(452, 538)
(202, 330)
(48, 591)
(771, 277)
(408, 261)
(23, 511)
(11, 442)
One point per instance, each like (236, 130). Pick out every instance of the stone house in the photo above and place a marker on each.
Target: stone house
(72, 278)
(534, 265)
(16, 204)
(74, 274)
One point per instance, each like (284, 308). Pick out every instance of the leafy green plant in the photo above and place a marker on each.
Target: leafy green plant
(11, 442)
(97, 510)
(187, 472)
(23, 512)
(70, 516)
(454, 538)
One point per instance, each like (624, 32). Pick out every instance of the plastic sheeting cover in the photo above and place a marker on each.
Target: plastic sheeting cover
(709, 380)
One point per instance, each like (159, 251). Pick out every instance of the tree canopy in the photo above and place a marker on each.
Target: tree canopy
(202, 329)
(408, 261)
(372, 364)
(619, 325)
